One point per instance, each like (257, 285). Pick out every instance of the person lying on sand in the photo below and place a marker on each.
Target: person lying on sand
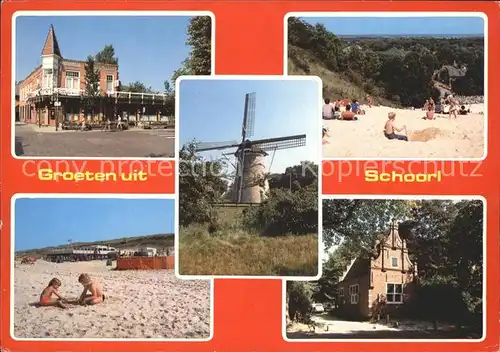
(390, 128)
(46, 299)
(348, 114)
(96, 295)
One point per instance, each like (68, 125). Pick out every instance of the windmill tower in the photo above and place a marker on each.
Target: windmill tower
(250, 182)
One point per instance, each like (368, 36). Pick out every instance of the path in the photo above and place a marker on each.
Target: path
(125, 144)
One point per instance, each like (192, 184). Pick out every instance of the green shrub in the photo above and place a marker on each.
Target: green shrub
(286, 212)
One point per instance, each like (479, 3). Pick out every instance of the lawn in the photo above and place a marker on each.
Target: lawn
(234, 251)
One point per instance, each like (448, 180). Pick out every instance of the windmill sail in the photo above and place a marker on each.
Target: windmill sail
(204, 146)
(248, 116)
(280, 143)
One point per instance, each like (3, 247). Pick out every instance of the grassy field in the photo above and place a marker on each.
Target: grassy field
(233, 251)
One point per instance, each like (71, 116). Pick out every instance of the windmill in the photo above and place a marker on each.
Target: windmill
(250, 156)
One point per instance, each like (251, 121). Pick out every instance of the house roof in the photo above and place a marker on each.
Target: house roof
(51, 46)
(359, 265)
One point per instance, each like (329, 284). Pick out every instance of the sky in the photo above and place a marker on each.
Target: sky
(149, 48)
(373, 26)
(46, 222)
(212, 111)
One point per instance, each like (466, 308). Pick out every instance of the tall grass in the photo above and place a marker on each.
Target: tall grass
(233, 251)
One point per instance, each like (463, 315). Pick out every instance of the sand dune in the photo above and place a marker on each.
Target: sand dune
(139, 304)
(440, 138)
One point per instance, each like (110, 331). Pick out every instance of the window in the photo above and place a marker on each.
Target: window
(354, 294)
(109, 83)
(341, 292)
(395, 293)
(73, 80)
(394, 262)
(48, 78)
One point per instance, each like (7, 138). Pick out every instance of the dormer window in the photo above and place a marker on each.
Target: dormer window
(394, 262)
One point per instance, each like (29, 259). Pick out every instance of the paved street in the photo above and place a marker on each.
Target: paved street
(125, 144)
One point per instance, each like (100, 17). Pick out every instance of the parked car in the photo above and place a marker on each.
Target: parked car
(318, 308)
(328, 306)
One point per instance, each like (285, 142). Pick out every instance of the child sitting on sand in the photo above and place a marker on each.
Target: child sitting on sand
(96, 295)
(390, 128)
(348, 114)
(52, 289)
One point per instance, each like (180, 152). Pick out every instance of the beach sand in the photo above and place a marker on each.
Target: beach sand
(139, 304)
(460, 138)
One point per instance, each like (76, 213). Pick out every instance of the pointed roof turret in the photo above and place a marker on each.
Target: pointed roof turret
(51, 46)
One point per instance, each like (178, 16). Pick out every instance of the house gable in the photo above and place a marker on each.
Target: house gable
(383, 279)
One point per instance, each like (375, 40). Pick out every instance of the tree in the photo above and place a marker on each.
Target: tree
(286, 213)
(201, 184)
(167, 87)
(183, 71)
(292, 207)
(199, 61)
(358, 220)
(295, 177)
(107, 56)
(200, 39)
(136, 87)
(444, 238)
(398, 69)
(92, 86)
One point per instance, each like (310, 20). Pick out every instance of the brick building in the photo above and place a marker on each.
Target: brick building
(55, 92)
(379, 283)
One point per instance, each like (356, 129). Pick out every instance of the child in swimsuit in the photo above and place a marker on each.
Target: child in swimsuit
(390, 128)
(52, 289)
(96, 295)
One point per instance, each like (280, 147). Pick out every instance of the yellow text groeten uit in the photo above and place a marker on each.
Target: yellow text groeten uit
(51, 175)
(376, 176)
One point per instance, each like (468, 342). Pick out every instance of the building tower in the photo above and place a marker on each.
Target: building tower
(51, 62)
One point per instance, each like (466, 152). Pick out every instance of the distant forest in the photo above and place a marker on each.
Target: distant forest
(402, 70)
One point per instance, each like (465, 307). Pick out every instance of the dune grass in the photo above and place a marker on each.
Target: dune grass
(235, 252)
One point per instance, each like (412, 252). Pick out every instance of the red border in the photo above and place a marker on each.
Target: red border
(248, 313)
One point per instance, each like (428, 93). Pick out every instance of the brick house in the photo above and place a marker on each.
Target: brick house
(55, 91)
(379, 283)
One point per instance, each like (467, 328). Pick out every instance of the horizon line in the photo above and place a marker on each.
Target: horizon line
(413, 35)
(81, 243)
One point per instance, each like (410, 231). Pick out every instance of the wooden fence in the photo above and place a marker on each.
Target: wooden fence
(145, 263)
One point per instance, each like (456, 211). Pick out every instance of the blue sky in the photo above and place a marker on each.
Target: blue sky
(400, 25)
(149, 48)
(45, 222)
(212, 111)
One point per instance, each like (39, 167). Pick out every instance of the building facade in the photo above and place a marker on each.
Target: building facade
(379, 285)
(54, 92)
